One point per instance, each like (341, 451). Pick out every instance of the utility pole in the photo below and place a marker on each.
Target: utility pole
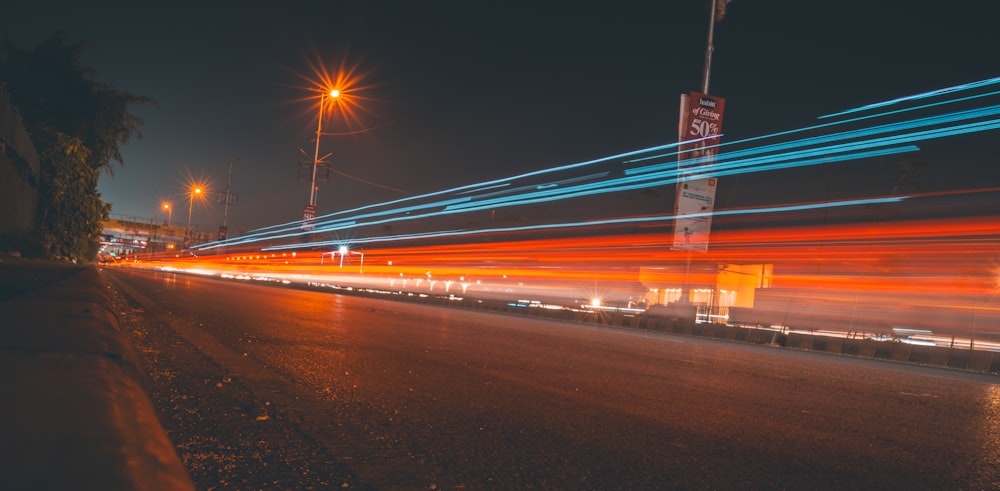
(700, 119)
(227, 198)
(718, 11)
(309, 211)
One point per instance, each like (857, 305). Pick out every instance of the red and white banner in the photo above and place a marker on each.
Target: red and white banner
(308, 214)
(701, 125)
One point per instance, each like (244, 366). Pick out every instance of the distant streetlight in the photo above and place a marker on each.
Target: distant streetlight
(170, 211)
(195, 190)
(333, 94)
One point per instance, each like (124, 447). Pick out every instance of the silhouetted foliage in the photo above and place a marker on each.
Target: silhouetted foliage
(70, 218)
(79, 126)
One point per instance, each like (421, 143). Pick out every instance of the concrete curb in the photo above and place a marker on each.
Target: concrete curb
(77, 413)
(936, 356)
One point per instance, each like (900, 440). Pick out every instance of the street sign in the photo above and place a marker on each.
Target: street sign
(308, 214)
(701, 121)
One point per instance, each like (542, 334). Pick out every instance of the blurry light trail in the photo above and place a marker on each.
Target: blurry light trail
(670, 175)
(824, 125)
(641, 182)
(464, 205)
(879, 140)
(936, 262)
(924, 95)
(869, 278)
(870, 116)
(263, 233)
(540, 197)
(593, 223)
(861, 133)
(494, 183)
(506, 184)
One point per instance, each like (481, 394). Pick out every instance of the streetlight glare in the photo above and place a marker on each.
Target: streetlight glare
(170, 211)
(196, 189)
(326, 84)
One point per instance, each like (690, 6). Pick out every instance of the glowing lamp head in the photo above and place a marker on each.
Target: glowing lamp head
(343, 249)
(334, 93)
(197, 190)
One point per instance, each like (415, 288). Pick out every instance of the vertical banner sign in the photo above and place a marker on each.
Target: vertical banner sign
(700, 120)
(308, 214)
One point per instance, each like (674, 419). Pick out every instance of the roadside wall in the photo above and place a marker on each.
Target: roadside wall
(76, 412)
(939, 356)
(19, 171)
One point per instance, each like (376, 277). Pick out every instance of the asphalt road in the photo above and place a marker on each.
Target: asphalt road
(275, 388)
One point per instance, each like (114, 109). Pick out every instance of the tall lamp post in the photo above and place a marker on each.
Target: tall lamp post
(333, 94)
(170, 211)
(195, 190)
(686, 126)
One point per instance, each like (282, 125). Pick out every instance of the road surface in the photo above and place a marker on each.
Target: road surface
(269, 387)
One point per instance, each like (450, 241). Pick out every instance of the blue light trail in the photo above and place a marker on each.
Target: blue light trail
(924, 95)
(602, 222)
(867, 142)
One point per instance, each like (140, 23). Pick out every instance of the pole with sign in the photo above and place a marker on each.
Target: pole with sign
(700, 124)
(701, 121)
(308, 214)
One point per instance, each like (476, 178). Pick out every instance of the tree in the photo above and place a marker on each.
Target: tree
(72, 215)
(79, 126)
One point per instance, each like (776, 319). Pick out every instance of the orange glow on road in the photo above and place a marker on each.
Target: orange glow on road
(938, 271)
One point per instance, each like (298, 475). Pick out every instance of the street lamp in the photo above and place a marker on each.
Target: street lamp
(333, 94)
(343, 250)
(195, 190)
(170, 211)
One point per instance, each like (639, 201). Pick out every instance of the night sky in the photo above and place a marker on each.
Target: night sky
(459, 92)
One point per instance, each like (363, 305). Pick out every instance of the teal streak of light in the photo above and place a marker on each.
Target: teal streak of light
(924, 95)
(533, 187)
(246, 239)
(800, 207)
(470, 188)
(507, 179)
(881, 129)
(506, 184)
(489, 184)
(627, 184)
(264, 232)
(383, 238)
(824, 125)
(342, 224)
(320, 226)
(670, 176)
(623, 184)
(992, 110)
(612, 221)
(884, 141)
